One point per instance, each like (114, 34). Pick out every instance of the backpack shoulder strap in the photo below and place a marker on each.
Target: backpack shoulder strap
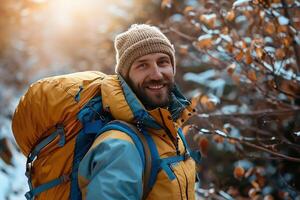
(142, 145)
(195, 154)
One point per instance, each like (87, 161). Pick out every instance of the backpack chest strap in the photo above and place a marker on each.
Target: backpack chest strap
(167, 163)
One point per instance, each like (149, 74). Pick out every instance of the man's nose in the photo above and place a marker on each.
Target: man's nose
(156, 73)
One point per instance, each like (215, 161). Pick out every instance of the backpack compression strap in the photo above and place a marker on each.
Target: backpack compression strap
(59, 131)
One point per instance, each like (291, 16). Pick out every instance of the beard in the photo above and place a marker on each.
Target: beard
(152, 100)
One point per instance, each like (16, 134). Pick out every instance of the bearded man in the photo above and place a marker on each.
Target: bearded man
(142, 94)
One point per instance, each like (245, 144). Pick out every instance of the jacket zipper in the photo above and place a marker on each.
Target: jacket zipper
(174, 140)
(187, 184)
(177, 182)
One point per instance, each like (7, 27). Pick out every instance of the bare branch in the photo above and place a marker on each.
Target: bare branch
(295, 46)
(293, 159)
(250, 114)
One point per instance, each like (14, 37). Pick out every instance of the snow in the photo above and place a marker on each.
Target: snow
(244, 163)
(213, 98)
(204, 37)
(204, 115)
(203, 130)
(283, 20)
(229, 109)
(248, 40)
(270, 49)
(13, 179)
(297, 133)
(268, 39)
(277, 14)
(201, 77)
(241, 18)
(209, 16)
(221, 133)
(5, 184)
(192, 3)
(176, 17)
(209, 31)
(227, 38)
(207, 78)
(239, 3)
(276, 5)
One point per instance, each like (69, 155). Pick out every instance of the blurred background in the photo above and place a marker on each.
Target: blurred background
(239, 61)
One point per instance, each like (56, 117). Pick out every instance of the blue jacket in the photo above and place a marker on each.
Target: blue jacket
(113, 168)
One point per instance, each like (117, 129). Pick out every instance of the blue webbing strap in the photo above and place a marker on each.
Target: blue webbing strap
(180, 133)
(46, 186)
(166, 164)
(195, 154)
(154, 157)
(59, 131)
(137, 134)
(84, 140)
(93, 127)
(115, 125)
(158, 163)
(34, 153)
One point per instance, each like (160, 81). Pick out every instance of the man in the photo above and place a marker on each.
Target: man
(143, 94)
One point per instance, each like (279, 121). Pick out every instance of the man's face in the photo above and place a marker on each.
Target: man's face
(151, 77)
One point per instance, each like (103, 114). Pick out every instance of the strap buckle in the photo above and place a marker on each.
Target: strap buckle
(29, 195)
(186, 155)
(65, 178)
(28, 170)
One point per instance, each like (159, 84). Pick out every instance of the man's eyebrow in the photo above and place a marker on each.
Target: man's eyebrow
(143, 60)
(163, 57)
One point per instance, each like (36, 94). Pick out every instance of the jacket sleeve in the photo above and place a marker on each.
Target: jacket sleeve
(112, 169)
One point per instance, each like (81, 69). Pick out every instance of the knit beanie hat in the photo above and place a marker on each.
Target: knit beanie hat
(140, 40)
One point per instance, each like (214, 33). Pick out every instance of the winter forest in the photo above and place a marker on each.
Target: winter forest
(237, 60)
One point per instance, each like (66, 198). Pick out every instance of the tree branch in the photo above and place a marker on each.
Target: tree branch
(293, 159)
(295, 47)
(250, 114)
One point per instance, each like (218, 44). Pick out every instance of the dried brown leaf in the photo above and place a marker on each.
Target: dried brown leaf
(239, 56)
(252, 75)
(204, 43)
(229, 47)
(230, 15)
(203, 145)
(280, 53)
(269, 28)
(260, 53)
(231, 68)
(248, 58)
(183, 49)
(239, 172)
(166, 4)
(282, 28)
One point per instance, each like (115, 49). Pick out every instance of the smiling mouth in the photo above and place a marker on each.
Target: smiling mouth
(155, 87)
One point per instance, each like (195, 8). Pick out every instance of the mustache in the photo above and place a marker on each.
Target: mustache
(157, 82)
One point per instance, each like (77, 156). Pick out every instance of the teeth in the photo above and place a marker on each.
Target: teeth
(156, 86)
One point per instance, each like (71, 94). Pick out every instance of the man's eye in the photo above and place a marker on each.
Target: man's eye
(141, 65)
(164, 62)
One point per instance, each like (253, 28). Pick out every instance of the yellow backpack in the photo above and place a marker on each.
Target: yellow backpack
(46, 119)
(56, 122)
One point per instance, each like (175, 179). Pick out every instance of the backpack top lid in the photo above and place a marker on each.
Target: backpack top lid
(52, 101)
